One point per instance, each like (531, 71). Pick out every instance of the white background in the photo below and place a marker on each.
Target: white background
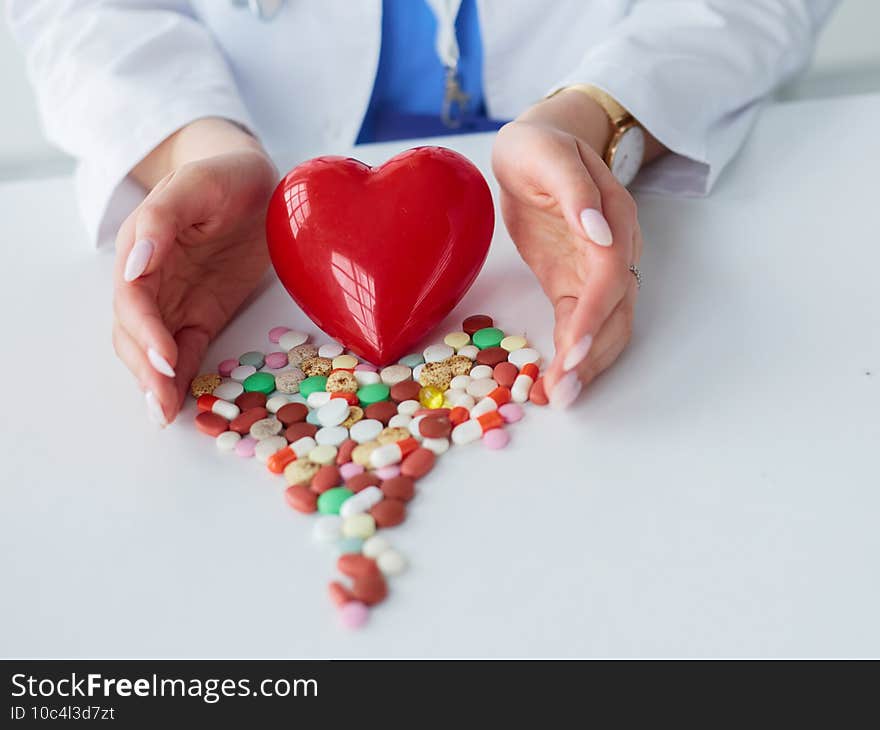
(847, 61)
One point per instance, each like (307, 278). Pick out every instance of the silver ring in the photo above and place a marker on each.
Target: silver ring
(637, 274)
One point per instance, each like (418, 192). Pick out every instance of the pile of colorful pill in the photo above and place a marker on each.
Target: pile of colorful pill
(351, 440)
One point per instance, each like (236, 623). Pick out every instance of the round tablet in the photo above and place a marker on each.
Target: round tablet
(457, 340)
(487, 337)
(366, 430)
(412, 360)
(242, 373)
(334, 412)
(331, 350)
(394, 374)
(513, 342)
(331, 435)
(291, 339)
(255, 358)
(259, 383)
(437, 353)
(523, 356)
(276, 332)
(345, 362)
(227, 366)
(372, 393)
(276, 360)
(228, 390)
(313, 384)
(323, 454)
(227, 440)
(366, 377)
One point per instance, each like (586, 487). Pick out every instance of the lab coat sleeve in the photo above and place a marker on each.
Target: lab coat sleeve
(694, 72)
(113, 78)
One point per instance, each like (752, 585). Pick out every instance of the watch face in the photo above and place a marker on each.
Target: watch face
(628, 154)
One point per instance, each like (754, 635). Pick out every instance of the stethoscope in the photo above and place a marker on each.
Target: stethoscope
(454, 99)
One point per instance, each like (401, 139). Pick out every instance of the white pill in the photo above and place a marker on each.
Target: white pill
(319, 398)
(417, 371)
(466, 432)
(408, 407)
(461, 398)
(323, 454)
(296, 398)
(374, 546)
(242, 372)
(399, 420)
(301, 447)
(470, 351)
(437, 353)
(366, 430)
(226, 409)
(391, 562)
(333, 412)
(394, 374)
(523, 356)
(332, 436)
(414, 427)
(366, 377)
(438, 446)
(276, 402)
(227, 440)
(267, 447)
(266, 428)
(228, 390)
(327, 528)
(460, 381)
(481, 388)
(362, 501)
(479, 372)
(291, 339)
(331, 350)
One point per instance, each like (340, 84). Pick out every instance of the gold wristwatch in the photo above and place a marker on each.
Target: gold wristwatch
(626, 150)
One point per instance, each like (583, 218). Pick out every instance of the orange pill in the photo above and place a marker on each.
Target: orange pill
(280, 459)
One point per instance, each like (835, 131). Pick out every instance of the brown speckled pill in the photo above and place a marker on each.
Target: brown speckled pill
(292, 413)
(249, 400)
(343, 455)
(389, 512)
(289, 380)
(459, 364)
(301, 498)
(341, 381)
(211, 423)
(399, 487)
(393, 435)
(436, 374)
(316, 366)
(537, 394)
(370, 589)
(434, 427)
(405, 390)
(204, 384)
(326, 478)
(361, 481)
(382, 411)
(491, 356)
(418, 463)
(296, 431)
(505, 373)
(356, 566)
(301, 352)
(243, 422)
(476, 322)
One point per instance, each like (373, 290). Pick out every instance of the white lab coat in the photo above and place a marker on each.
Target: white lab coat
(115, 77)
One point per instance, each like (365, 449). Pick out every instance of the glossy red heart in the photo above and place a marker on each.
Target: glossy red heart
(376, 257)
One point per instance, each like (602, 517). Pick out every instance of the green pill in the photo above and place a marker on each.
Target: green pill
(259, 383)
(488, 337)
(330, 501)
(372, 393)
(257, 359)
(313, 384)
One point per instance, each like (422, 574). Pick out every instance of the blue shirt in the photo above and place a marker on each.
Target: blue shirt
(407, 98)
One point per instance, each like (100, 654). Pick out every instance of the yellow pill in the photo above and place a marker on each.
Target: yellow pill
(457, 340)
(513, 342)
(344, 362)
(359, 525)
(323, 454)
(431, 397)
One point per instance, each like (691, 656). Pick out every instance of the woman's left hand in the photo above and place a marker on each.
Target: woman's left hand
(578, 230)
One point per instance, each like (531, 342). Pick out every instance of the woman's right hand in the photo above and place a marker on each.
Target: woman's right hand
(187, 258)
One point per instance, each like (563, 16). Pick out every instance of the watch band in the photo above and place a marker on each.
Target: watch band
(615, 111)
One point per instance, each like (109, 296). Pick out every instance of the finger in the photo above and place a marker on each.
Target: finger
(136, 309)
(191, 346)
(159, 393)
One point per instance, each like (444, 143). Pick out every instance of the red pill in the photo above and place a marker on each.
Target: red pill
(361, 481)
(458, 415)
(301, 498)
(370, 589)
(432, 427)
(492, 356)
(389, 512)
(251, 399)
(399, 487)
(242, 423)
(476, 322)
(537, 395)
(350, 398)
(339, 594)
(418, 463)
(296, 431)
(343, 455)
(292, 413)
(211, 423)
(357, 566)
(382, 411)
(326, 478)
(505, 373)
(405, 390)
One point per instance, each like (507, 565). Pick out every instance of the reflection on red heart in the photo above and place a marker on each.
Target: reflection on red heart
(376, 257)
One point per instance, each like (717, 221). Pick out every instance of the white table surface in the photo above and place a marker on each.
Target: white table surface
(717, 493)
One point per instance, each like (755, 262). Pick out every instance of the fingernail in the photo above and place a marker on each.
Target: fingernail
(138, 258)
(565, 391)
(154, 409)
(577, 353)
(159, 363)
(596, 227)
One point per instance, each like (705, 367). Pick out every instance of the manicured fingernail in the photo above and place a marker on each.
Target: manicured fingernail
(565, 391)
(577, 353)
(596, 227)
(159, 363)
(154, 409)
(138, 258)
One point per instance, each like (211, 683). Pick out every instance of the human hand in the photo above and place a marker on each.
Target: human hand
(577, 228)
(187, 258)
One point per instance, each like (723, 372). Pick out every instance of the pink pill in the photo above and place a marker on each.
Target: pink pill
(245, 447)
(366, 366)
(276, 332)
(349, 470)
(511, 412)
(388, 472)
(353, 614)
(496, 438)
(275, 360)
(226, 367)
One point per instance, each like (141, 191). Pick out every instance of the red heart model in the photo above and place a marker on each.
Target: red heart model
(376, 257)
